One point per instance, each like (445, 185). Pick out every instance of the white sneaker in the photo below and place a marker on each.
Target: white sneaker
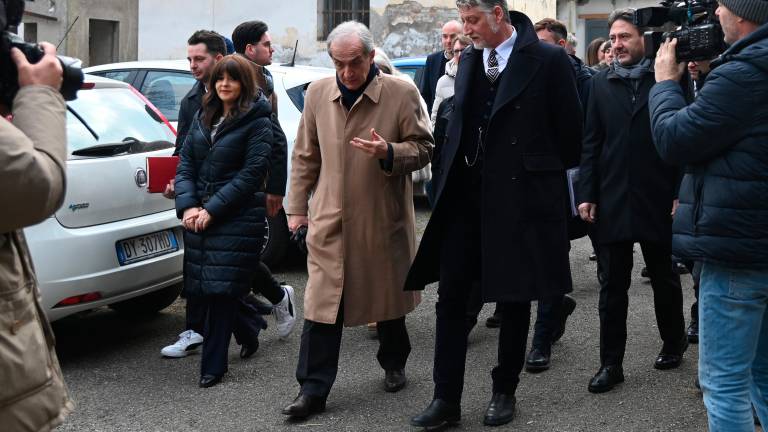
(188, 341)
(285, 315)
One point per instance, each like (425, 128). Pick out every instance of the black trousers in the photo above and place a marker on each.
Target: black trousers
(321, 344)
(224, 316)
(459, 271)
(616, 263)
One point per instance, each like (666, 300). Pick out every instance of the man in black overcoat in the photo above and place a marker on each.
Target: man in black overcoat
(626, 186)
(435, 65)
(501, 199)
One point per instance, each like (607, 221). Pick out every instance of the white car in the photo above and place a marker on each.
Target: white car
(111, 242)
(166, 82)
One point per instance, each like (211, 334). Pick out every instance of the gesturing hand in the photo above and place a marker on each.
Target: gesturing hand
(375, 148)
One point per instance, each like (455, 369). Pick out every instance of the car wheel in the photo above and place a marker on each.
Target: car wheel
(276, 240)
(149, 303)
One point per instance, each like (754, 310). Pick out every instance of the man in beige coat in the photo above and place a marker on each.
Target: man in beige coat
(361, 136)
(33, 149)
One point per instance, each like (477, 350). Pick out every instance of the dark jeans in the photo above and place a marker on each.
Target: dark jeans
(321, 344)
(616, 260)
(267, 285)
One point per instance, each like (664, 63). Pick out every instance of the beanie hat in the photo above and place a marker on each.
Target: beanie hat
(751, 10)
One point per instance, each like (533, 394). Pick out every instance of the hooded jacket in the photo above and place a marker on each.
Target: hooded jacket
(722, 140)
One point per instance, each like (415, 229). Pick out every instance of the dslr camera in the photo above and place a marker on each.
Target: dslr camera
(696, 28)
(11, 12)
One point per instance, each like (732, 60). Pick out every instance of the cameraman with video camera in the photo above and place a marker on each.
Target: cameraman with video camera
(722, 140)
(33, 396)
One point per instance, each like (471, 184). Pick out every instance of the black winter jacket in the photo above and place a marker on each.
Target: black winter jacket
(223, 177)
(278, 175)
(722, 139)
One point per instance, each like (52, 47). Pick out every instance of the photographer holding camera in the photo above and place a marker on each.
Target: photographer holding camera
(722, 139)
(33, 396)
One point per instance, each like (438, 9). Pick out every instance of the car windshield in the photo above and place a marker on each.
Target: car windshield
(113, 114)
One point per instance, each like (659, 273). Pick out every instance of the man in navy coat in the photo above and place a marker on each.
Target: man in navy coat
(501, 209)
(435, 67)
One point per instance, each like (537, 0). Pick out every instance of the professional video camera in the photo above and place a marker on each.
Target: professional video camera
(698, 32)
(11, 12)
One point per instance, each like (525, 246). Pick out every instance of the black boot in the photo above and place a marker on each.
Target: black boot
(437, 414)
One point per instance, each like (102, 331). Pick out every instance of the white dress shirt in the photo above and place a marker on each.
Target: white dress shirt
(503, 51)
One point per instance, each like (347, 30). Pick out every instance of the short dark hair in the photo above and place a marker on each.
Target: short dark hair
(554, 26)
(627, 15)
(214, 42)
(249, 32)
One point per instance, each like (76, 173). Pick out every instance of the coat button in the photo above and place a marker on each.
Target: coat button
(517, 107)
(513, 141)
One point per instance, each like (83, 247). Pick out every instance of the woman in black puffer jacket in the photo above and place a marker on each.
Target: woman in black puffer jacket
(224, 162)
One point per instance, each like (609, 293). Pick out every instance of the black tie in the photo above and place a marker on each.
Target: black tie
(493, 67)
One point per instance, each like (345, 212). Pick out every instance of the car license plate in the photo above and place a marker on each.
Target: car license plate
(147, 246)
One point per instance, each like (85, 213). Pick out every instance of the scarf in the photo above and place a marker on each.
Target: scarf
(451, 68)
(349, 97)
(633, 72)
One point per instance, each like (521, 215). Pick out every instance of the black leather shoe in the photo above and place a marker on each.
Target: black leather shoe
(606, 379)
(493, 321)
(438, 413)
(394, 380)
(693, 332)
(569, 305)
(209, 380)
(666, 361)
(248, 350)
(537, 361)
(305, 405)
(501, 410)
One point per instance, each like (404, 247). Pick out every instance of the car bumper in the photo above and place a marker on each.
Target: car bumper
(71, 262)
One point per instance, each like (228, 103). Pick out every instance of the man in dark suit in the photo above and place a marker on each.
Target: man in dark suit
(627, 187)
(500, 216)
(435, 67)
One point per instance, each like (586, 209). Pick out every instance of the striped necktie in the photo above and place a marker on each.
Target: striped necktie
(493, 67)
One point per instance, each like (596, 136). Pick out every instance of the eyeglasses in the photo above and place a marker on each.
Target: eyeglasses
(457, 51)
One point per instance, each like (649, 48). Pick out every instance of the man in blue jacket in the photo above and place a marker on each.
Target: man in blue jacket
(722, 139)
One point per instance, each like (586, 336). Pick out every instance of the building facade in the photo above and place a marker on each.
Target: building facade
(401, 27)
(95, 31)
(588, 19)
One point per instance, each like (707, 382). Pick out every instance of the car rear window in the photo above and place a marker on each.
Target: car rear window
(114, 114)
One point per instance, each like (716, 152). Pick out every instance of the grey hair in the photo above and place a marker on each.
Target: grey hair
(352, 28)
(484, 5)
(384, 63)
